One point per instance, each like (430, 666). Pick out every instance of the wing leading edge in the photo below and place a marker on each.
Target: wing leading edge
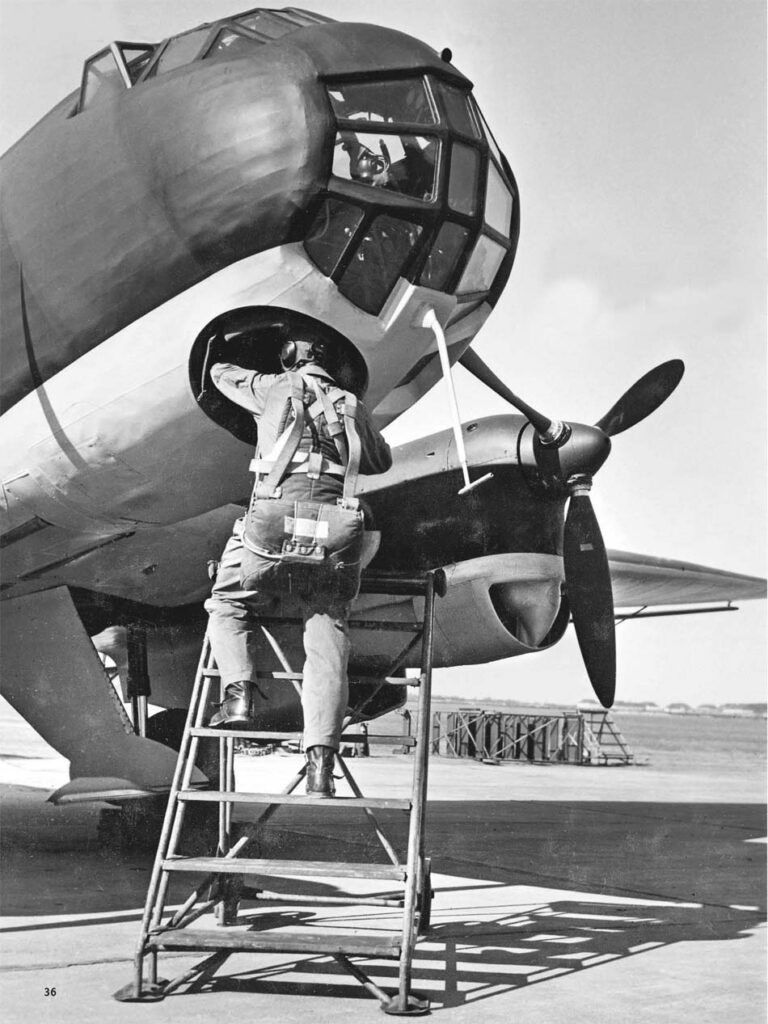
(642, 580)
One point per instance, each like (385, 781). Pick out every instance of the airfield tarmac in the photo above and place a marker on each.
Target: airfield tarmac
(562, 893)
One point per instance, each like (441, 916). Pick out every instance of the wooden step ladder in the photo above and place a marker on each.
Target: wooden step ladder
(603, 741)
(224, 885)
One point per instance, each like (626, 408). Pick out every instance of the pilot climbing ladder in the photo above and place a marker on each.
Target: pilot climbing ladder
(225, 876)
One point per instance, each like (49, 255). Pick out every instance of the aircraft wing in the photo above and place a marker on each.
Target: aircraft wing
(642, 580)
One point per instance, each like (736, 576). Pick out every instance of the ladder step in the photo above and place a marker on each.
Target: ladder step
(375, 624)
(247, 734)
(377, 944)
(213, 673)
(218, 796)
(296, 737)
(298, 868)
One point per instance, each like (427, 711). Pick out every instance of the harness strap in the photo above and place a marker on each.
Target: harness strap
(298, 464)
(285, 457)
(353, 445)
(335, 429)
(326, 403)
(288, 443)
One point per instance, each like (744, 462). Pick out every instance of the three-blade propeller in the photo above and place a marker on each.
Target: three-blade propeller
(585, 562)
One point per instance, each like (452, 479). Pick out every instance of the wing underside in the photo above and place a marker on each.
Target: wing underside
(644, 580)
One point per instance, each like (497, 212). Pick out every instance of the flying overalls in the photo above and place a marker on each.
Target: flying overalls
(310, 547)
(299, 544)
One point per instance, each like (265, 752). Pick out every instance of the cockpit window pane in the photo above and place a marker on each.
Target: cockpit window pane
(102, 79)
(266, 24)
(462, 186)
(378, 262)
(136, 59)
(228, 45)
(181, 51)
(498, 202)
(402, 100)
(482, 267)
(443, 256)
(460, 116)
(488, 136)
(330, 233)
(398, 163)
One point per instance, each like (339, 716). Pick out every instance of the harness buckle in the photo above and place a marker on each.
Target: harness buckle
(314, 465)
(262, 491)
(349, 504)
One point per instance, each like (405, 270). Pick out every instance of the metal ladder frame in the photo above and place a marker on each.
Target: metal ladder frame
(225, 894)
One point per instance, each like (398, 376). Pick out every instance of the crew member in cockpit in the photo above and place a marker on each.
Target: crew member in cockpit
(413, 174)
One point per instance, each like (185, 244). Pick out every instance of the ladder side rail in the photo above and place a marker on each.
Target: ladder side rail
(420, 779)
(381, 625)
(223, 775)
(163, 844)
(226, 785)
(180, 807)
(231, 784)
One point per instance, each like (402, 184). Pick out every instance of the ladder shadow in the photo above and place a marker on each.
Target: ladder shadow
(466, 962)
(540, 890)
(526, 891)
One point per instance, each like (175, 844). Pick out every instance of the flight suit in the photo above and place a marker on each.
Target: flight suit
(234, 613)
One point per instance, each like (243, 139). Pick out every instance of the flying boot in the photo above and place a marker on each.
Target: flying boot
(236, 708)
(320, 772)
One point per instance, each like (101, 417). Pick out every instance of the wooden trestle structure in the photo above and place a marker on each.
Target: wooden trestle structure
(575, 737)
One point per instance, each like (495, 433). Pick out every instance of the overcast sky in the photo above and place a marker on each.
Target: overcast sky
(637, 133)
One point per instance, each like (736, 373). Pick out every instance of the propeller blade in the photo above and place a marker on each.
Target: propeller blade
(588, 581)
(643, 398)
(471, 361)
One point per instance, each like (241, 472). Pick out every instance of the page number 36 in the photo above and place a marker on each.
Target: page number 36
(50, 991)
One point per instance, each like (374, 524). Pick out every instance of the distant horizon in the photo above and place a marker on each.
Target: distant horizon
(591, 704)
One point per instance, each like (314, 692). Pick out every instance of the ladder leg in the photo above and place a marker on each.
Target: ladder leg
(152, 972)
(404, 1003)
(230, 886)
(157, 883)
(177, 809)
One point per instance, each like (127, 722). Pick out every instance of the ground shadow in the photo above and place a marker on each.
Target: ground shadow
(542, 888)
(468, 961)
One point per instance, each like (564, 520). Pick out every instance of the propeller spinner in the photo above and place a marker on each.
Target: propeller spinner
(580, 451)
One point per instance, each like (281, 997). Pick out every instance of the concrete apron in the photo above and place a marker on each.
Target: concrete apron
(561, 893)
